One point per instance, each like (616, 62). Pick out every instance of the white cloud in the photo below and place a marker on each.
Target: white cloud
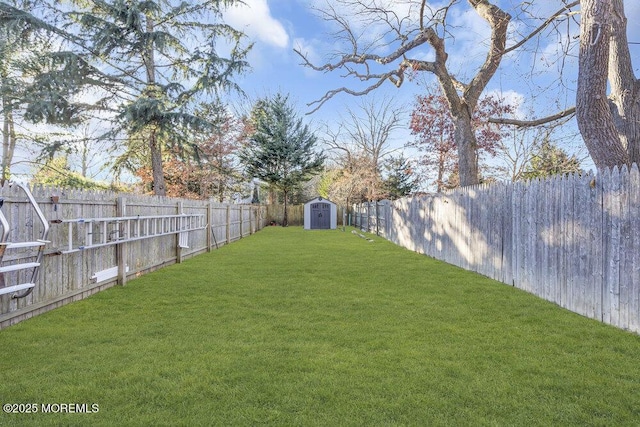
(254, 19)
(309, 48)
(469, 45)
(511, 97)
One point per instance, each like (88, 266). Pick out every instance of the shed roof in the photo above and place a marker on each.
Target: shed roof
(317, 199)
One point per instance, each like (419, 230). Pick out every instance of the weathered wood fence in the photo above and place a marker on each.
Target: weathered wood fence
(295, 214)
(572, 240)
(67, 277)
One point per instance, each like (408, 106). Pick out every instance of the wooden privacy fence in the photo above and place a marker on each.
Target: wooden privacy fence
(573, 240)
(71, 269)
(295, 214)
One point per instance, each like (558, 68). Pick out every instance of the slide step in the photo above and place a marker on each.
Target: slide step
(35, 244)
(16, 288)
(16, 267)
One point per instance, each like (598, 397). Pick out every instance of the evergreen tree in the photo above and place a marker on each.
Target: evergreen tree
(17, 48)
(400, 181)
(150, 63)
(280, 150)
(551, 160)
(56, 173)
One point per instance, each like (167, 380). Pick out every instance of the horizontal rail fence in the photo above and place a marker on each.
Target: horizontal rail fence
(572, 240)
(151, 226)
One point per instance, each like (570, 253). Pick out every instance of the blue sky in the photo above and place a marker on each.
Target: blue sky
(277, 27)
(529, 75)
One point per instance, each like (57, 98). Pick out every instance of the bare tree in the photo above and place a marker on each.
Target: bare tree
(609, 124)
(360, 143)
(404, 34)
(352, 181)
(516, 156)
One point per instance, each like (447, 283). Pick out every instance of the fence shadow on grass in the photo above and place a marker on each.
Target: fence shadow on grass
(573, 240)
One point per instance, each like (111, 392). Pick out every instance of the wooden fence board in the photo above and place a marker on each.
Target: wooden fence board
(625, 251)
(598, 255)
(506, 235)
(576, 241)
(612, 246)
(634, 258)
(555, 233)
(568, 237)
(531, 231)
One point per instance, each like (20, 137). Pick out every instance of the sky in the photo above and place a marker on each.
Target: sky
(277, 27)
(529, 76)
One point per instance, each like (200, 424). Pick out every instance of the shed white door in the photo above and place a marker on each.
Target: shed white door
(320, 216)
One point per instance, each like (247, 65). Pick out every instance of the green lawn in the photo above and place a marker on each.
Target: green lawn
(293, 327)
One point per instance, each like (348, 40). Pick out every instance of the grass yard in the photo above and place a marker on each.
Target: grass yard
(305, 328)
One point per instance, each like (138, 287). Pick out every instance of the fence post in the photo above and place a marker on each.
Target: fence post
(253, 217)
(228, 224)
(178, 228)
(355, 216)
(209, 225)
(121, 248)
(377, 219)
(387, 219)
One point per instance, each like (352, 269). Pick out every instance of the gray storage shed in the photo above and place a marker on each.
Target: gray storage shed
(320, 214)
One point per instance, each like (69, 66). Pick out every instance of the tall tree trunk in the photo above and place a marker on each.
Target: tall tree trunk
(8, 144)
(439, 180)
(8, 133)
(155, 146)
(593, 112)
(85, 158)
(462, 106)
(285, 218)
(465, 138)
(159, 188)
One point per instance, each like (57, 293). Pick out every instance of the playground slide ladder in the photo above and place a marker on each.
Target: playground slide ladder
(23, 289)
